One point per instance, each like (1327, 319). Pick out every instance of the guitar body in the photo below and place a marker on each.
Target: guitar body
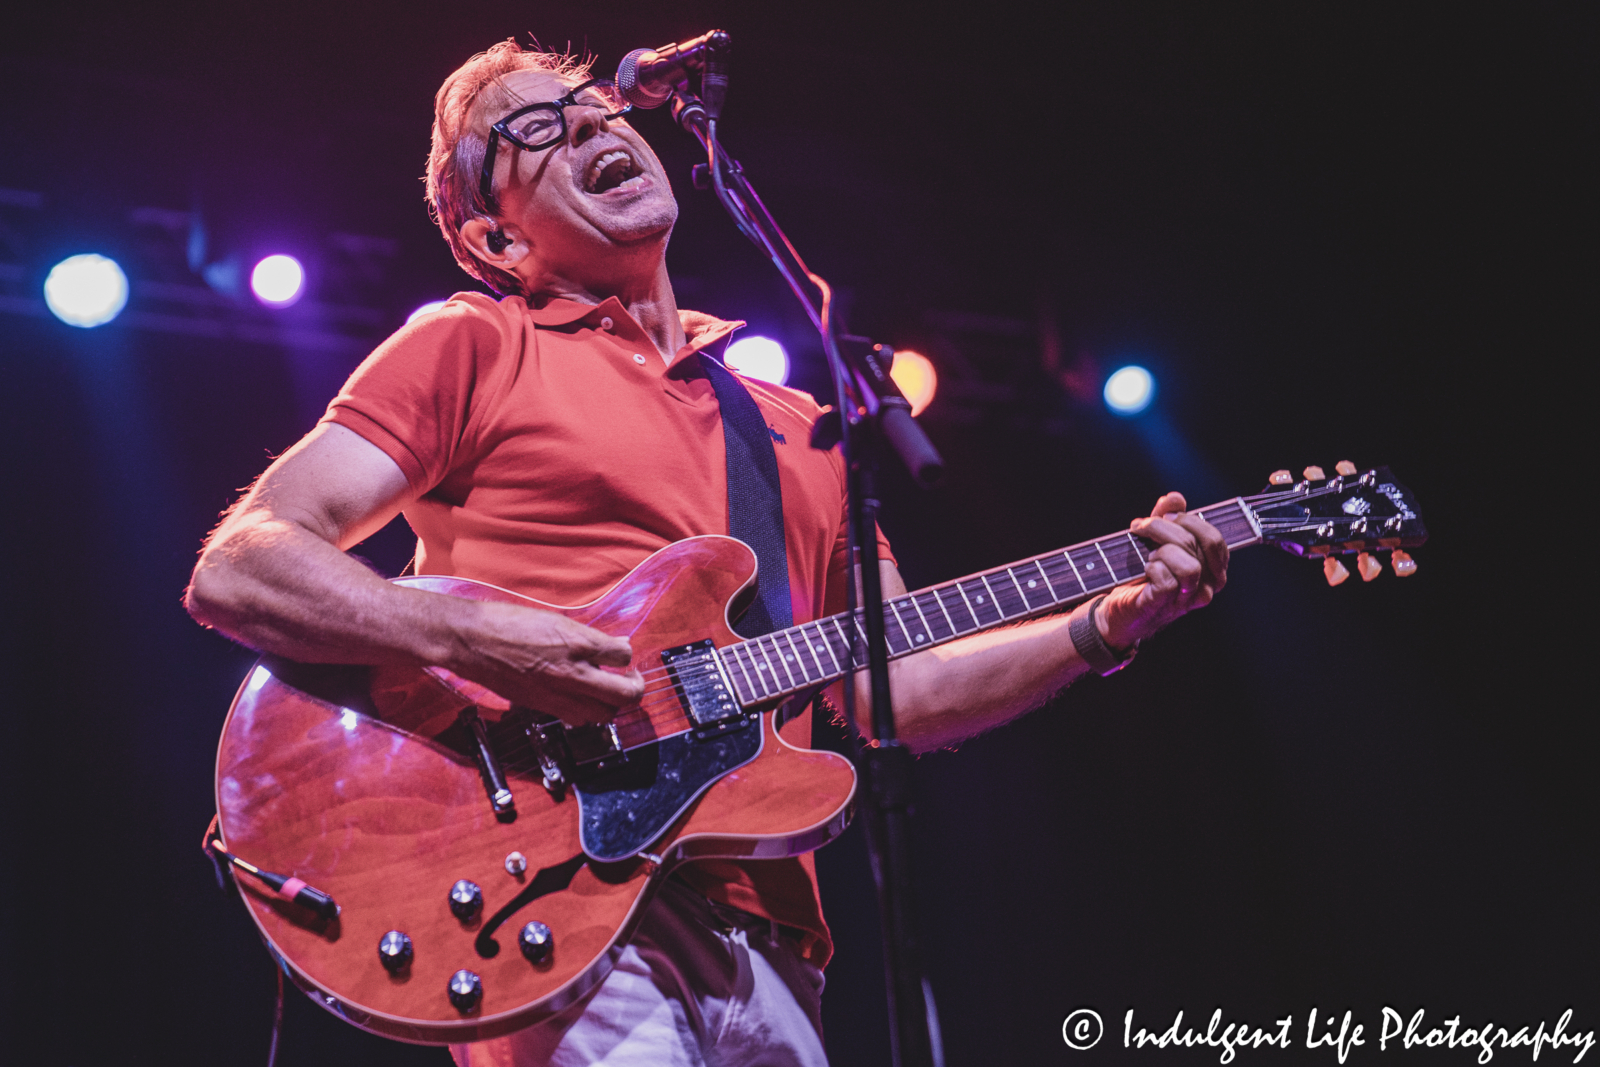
(357, 781)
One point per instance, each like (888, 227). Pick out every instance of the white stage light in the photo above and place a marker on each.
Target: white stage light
(759, 357)
(278, 281)
(426, 309)
(1130, 390)
(915, 376)
(87, 290)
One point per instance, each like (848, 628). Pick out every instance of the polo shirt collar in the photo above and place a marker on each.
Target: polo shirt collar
(699, 329)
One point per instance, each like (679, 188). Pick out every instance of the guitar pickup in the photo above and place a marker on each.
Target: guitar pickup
(703, 689)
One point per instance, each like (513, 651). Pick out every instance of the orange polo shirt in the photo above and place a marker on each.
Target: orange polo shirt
(552, 451)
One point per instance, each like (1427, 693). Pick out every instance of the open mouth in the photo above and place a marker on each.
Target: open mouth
(613, 170)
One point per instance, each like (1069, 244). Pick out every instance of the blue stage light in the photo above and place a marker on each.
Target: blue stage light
(87, 290)
(278, 281)
(759, 357)
(1130, 390)
(426, 309)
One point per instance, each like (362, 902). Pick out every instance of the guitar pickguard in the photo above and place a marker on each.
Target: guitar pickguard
(623, 809)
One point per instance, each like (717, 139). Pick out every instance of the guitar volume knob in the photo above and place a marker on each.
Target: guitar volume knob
(466, 899)
(536, 942)
(394, 951)
(466, 990)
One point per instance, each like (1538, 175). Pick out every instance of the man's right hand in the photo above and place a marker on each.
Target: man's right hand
(275, 576)
(542, 659)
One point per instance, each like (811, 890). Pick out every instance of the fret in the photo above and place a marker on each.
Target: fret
(986, 603)
(927, 631)
(799, 660)
(848, 647)
(1092, 569)
(1134, 542)
(827, 642)
(866, 643)
(1004, 600)
(939, 600)
(767, 655)
(1055, 598)
(935, 621)
(733, 654)
(748, 657)
(1109, 568)
(1125, 565)
(786, 658)
(1063, 583)
(1040, 595)
(822, 672)
(903, 631)
(1083, 589)
(977, 624)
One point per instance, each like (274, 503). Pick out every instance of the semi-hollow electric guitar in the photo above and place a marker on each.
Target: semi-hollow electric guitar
(435, 865)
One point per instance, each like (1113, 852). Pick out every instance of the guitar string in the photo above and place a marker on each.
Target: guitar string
(643, 713)
(650, 703)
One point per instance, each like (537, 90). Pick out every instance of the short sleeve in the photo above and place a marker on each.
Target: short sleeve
(414, 397)
(835, 599)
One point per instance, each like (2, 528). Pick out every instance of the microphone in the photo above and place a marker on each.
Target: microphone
(648, 77)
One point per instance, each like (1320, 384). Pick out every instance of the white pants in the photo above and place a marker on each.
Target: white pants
(699, 986)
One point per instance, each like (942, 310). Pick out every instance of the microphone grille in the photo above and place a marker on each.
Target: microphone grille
(628, 81)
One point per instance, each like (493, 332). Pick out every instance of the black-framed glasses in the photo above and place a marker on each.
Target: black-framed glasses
(539, 126)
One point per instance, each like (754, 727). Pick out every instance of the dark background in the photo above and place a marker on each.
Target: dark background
(1331, 232)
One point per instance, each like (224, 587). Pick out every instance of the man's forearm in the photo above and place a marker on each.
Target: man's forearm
(947, 694)
(276, 586)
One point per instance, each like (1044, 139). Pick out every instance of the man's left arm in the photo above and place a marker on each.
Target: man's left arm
(951, 692)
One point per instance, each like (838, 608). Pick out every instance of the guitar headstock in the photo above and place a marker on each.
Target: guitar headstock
(1354, 512)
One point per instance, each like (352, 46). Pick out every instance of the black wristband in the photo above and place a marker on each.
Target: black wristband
(1092, 648)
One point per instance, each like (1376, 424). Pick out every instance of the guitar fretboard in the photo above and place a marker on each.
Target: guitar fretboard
(775, 665)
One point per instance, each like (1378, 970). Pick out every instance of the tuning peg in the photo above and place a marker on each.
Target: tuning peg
(1404, 565)
(1280, 478)
(1367, 567)
(1313, 474)
(1345, 467)
(1334, 571)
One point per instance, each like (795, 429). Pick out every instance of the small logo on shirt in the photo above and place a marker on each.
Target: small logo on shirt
(776, 436)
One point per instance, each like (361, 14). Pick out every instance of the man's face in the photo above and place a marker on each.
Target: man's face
(601, 187)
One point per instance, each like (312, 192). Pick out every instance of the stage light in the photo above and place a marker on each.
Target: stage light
(759, 357)
(426, 309)
(278, 281)
(917, 379)
(87, 290)
(1130, 390)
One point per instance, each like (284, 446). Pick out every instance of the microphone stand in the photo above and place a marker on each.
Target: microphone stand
(869, 413)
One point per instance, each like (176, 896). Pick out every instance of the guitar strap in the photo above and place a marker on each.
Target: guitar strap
(755, 500)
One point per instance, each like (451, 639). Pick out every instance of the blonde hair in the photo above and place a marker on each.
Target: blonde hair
(455, 160)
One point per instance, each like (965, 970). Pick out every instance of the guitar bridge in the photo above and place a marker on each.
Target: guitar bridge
(565, 753)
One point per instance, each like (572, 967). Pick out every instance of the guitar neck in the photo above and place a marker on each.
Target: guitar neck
(768, 668)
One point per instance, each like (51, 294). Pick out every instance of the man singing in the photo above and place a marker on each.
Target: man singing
(548, 442)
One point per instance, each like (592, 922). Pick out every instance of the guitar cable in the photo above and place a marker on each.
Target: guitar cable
(286, 886)
(216, 851)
